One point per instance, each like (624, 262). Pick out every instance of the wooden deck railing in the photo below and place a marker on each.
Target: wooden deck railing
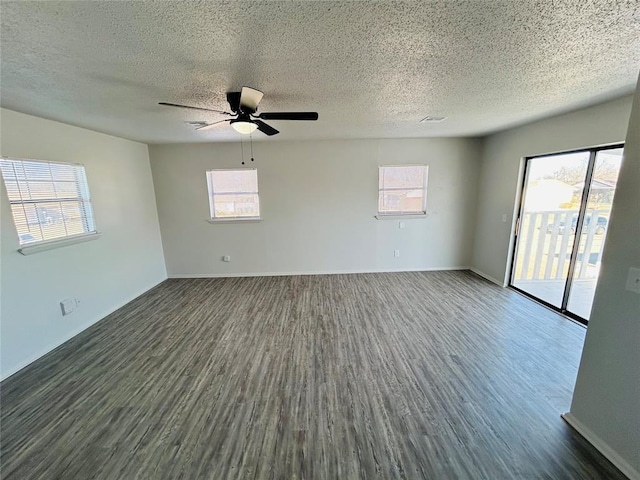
(546, 239)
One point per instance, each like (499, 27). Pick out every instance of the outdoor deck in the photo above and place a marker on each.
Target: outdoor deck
(544, 253)
(580, 301)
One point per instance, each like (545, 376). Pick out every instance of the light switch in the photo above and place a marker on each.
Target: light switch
(504, 218)
(67, 306)
(633, 280)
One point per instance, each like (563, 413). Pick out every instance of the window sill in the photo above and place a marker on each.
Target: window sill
(402, 216)
(235, 220)
(62, 242)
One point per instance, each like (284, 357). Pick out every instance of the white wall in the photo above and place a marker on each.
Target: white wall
(606, 400)
(318, 202)
(500, 171)
(103, 274)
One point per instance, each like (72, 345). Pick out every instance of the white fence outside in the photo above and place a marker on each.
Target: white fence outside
(546, 239)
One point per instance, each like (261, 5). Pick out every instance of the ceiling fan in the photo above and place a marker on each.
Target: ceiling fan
(244, 105)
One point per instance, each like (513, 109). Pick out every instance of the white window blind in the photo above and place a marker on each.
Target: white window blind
(49, 200)
(233, 194)
(402, 190)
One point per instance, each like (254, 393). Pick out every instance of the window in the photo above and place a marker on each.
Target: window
(49, 200)
(402, 190)
(563, 218)
(233, 194)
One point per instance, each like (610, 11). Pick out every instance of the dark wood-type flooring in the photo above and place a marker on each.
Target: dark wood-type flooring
(437, 375)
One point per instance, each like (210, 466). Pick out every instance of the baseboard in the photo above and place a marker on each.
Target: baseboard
(73, 333)
(602, 446)
(315, 272)
(487, 277)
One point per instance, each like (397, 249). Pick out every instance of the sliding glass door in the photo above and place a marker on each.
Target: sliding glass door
(593, 232)
(562, 224)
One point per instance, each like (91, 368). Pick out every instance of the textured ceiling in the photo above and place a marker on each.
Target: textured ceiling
(371, 69)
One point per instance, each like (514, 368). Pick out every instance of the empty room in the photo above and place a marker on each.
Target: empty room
(320, 240)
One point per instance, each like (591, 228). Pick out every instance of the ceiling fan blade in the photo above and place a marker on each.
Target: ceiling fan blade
(264, 128)
(249, 99)
(234, 101)
(194, 108)
(289, 116)
(209, 126)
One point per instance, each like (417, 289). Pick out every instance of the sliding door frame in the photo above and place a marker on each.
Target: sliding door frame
(584, 200)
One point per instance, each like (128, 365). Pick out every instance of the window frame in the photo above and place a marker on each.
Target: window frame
(82, 197)
(400, 213)
(211, 194)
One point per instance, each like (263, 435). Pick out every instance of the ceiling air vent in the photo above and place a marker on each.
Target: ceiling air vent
(430, 119)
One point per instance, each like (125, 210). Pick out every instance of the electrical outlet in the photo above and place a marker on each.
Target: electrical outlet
(226, 258)
(504, 218)
(396, 253)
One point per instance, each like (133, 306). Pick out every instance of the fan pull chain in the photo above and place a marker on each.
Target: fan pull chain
(251, 143)
(242, 149)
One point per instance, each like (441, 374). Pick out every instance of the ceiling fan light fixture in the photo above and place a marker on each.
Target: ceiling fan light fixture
(244, 127)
